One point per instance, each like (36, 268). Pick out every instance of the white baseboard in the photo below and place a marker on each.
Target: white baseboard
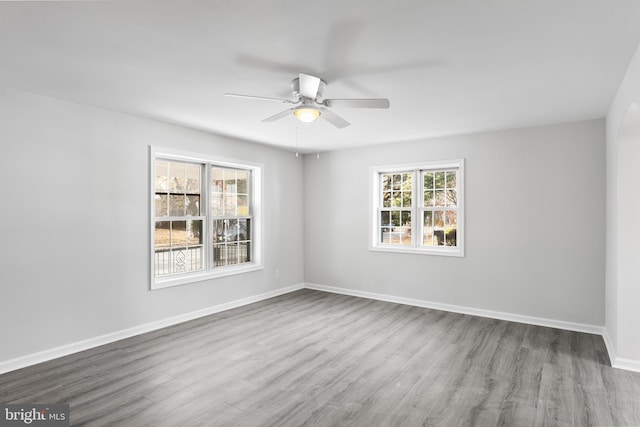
(54, 353)
(626, 364)
(43, 356)
(619, 362)
(539, 321)
(611, 349)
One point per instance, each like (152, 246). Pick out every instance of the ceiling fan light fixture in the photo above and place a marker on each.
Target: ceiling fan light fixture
(306, 114)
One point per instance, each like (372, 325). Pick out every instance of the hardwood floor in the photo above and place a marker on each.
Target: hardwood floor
(314, 358)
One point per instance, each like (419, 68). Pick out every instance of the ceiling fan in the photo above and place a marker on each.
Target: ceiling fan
(309, 104)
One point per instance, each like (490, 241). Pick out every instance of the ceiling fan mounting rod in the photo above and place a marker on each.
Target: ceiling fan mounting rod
(295, 87)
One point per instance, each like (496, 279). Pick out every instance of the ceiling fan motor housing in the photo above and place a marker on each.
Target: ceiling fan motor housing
(295, 88)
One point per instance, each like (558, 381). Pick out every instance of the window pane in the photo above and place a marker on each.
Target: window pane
(397, 181)
(244, 252)
(194, 232)
(427, 234)
(230, 204)
(218, 230)
(452, 198)
(180, 260)
(243, 180)
(232, 253)
(406, 199)
(386, 199)
(230, 181)
(243, 205)
(176, 205)
(161, 205)
(451, 179)
(176, 177)
(428, 180)
(193, 205)
(438, 228)
(397, 199)
(405, 230)
(428, 218)
(439, 179)
(385, 235)
(219, 255)
(178, 233)
(407, 181)
(451, 229)
(216, 180)
(244, 229)
(438, 219)
(405, 236)
(231, 230)
(429, 198)
(193, 259)
(406, 219)
(440, 199)
(216, 204)
(385, 218)
(193, 179)
(163, 235)
(386, 182)
(395, 218)
(162, 262)
(162, 175)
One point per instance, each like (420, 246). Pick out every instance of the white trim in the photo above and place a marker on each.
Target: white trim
(618, 362)
(54, 353)
(199, 276)
(538, 321)
(423, 250)
(611, 349)
(434, 164)
(626, 364)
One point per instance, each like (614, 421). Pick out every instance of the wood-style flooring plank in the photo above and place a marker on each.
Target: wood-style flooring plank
(321, 359)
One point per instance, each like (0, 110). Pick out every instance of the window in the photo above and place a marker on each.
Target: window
(178, 217)
(205, 218)
(418, 208)
(231, 219)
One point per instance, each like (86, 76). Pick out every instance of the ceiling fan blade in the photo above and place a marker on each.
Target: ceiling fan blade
(309, 85)
(263, 98)
(278, 116)
(334, 119)
(357, 103)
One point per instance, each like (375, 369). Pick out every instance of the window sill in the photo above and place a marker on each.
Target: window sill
(183, 279)
(441, 251)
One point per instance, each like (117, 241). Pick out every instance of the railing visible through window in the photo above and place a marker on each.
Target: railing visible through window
(178, 220)
(231, 216)
(203, 217)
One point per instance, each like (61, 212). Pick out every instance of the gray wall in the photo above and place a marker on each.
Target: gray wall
(74, 223)
(535, 221)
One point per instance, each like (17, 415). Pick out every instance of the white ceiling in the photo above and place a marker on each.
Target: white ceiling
(448, 67)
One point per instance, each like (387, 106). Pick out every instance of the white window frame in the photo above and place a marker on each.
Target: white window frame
(417, 208)
(209, 271)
